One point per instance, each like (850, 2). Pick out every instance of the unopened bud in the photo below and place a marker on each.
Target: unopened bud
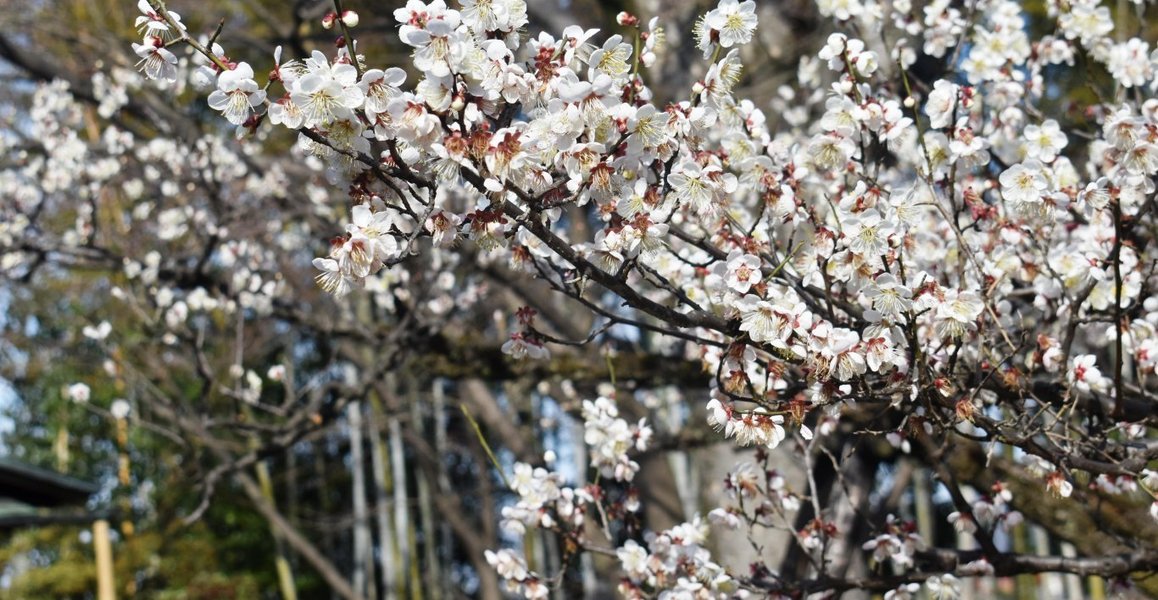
(910, 102)
(328, 20)
(350, 18)
(340, 42)
(965, 409)
(698, 87)
(626, 19)
(457, 103)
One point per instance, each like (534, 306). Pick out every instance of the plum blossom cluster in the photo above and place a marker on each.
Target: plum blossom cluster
(987, 512)
(677, 563)
(375, 238)
(762, 496)
(159, 28)
(527, 342)
(546, 502)
(941, 254)
(610, 437)
(897, 544)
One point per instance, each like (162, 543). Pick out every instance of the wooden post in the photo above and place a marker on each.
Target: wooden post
(104, 560)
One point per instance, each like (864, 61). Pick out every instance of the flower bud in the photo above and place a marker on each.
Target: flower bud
(910, 102)
(350, 18)
(328, 20)
(627, 19)
(276, 373)
(965, 409)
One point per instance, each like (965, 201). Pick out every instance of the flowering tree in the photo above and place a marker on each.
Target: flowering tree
(927, 280)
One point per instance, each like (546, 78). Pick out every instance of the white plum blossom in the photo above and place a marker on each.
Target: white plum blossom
(120, 408)
(237, 94)
(958, 313)
(609, 438)
(334, 278)
(1059, 485)
(868, 234)
(1084, 374)
(894, 545)
(1129, 63)
(98, 332)
(941, 104)
(153, 23)
(1024, 185)
(732, 22)
(743, 270)
(905, 591)
(943, 587)
(157, 62)
(524, 346)
(78, 393)
(1044, 142)
(1086, 22)
(326, 93)
(888, 296)
(634, 559)
(962, 522)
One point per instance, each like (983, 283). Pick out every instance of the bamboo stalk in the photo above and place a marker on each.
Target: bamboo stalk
(60, 447)
(923, 506)
(285, 576)
(106, 590)
(553, 560)
(388, 554)
(362, 578)
(416, 588)
(1025, 584)
(1074, 589)
(1097, 588)
(325, 504)
(441, 422)
(1052, 584)
(401, 514)
(432, 568)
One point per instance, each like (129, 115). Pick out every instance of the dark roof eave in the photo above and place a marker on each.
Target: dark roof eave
(41, 519)
(41, 487)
